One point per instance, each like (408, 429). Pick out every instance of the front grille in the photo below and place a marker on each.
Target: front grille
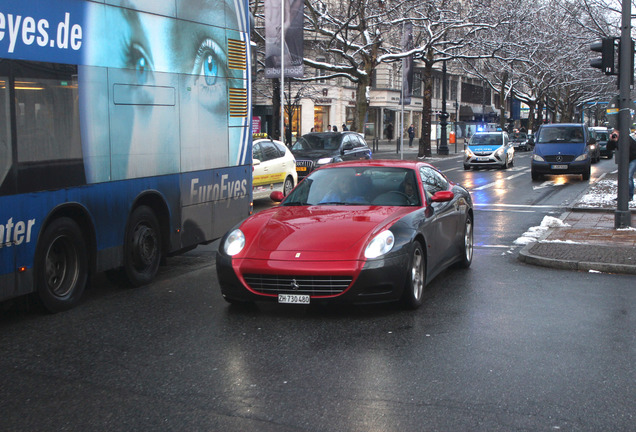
(305, 163)
(483, 153)
(312, 285)
(564, 158)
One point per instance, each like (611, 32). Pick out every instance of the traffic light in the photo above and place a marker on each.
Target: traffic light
(606, 62)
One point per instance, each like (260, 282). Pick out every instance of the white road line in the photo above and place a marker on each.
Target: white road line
(489, 185)
(517, 205)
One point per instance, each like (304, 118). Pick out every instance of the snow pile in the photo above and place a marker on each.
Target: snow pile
(534, 233)
(602, 194)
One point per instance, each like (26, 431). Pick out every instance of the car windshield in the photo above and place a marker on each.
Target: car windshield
(519, 137)
(325, 141)
(380, 186)
(561, 134)
(602, 136)
(485, 139)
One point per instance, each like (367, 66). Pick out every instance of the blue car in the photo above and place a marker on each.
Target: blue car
(563, 148)
(488, 150)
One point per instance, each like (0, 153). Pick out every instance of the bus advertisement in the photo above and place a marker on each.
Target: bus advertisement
(124, 138)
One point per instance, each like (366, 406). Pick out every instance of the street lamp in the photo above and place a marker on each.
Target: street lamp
(443, 145)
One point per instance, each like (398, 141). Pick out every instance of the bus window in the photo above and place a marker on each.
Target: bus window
(5, 130)
(47, 128)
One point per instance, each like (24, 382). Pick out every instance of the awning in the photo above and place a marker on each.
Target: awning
(466, 111)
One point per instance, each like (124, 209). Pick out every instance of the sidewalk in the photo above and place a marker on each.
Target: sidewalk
(587, 239)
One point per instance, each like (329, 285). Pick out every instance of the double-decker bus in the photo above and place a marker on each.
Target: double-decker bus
(124, 137)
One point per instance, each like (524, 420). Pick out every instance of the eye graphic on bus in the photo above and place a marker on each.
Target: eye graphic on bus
(206, 63)
(136, 58)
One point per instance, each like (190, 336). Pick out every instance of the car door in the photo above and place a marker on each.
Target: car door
(348, 148)
(443, 223)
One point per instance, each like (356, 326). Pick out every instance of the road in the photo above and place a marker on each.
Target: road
(502, 346)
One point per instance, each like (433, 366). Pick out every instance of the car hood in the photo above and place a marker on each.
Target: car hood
(574, 149)
(314, 154)
(316, 232)
(484, 148)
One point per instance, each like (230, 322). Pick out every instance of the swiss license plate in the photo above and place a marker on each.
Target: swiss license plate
(559, 167)
(301, 168)
(482, 159)
(293, 298)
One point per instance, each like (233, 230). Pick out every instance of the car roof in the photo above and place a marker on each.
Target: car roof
(391, 163)
(562, 124)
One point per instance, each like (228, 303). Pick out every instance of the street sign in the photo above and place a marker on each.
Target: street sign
(612, 113)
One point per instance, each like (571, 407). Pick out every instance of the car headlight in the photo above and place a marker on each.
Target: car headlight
(468, 153)
(499, 151)
(592, 147)
(381, 244)
(581, 157)
(537, 158)
(234, 243)
(324, 161)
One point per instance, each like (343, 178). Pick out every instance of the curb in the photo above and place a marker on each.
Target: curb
(526, 257)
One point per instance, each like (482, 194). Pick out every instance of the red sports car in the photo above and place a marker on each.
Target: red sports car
(356, 232)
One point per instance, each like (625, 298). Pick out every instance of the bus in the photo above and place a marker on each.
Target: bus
(124, 138)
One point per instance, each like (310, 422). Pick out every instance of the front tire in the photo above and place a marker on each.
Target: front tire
(288, 186)
(142, 247)
(61, 265)
(414, 288)
(587, 173)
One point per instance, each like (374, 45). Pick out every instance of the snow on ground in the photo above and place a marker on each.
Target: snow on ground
(534, 233)
(602, 194)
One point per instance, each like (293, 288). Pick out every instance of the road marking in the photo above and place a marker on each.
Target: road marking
(489, 185)
(517, 205)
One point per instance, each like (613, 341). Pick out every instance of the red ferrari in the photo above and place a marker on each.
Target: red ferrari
(354, 232)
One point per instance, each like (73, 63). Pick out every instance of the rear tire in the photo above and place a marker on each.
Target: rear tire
(467, 257)
(142, 247)
(61, 265)
(416, 283)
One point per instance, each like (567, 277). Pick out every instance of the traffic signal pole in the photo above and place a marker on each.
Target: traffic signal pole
(622, 216)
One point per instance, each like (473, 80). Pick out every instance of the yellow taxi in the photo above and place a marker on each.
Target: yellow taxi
(274, 168)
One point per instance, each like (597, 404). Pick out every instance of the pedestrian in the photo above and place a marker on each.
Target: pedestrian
(389, 132)
(612, 144)
(328, 128)
(411, 132)
(312, 129)
(335, 128)
(344, 127)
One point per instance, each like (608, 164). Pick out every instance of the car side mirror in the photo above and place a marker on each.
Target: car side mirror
(276, 196)
(347, 147)
(256, 162)
(443, 196)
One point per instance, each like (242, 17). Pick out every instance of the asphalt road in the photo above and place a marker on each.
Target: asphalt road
(502, 346)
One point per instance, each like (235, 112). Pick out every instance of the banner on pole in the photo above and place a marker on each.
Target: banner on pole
(407, 63)
(293, 47)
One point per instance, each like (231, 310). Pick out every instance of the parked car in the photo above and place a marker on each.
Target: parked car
(352, 232)
(489, 149)
(520, 141)
(602, 136)
(316, 149)
(273, 168)
(563, 148)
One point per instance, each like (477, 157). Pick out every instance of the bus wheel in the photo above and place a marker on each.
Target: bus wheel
(61, 265)
(142, 247)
